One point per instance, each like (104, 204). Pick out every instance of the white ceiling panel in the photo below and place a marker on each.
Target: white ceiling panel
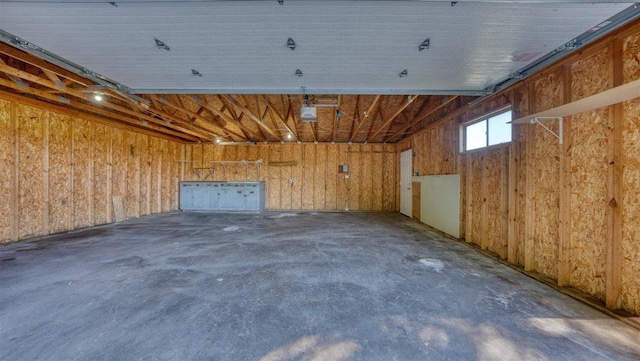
(344, 47)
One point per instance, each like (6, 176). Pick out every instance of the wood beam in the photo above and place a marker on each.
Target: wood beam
(76, 93)
(421, 117)
(336, 120)
(375, 101)
(89, 114)
(392, 117)
(277, 114)
(251, 116)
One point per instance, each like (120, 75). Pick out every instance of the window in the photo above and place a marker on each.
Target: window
(487, 131)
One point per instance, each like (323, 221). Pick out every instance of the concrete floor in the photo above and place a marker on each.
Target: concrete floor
(284, 286)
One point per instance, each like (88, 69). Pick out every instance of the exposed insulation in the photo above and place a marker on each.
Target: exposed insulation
(82, 174)
(6, 170)
(631, 208)
(630, 57)
(590, 75)
(546, 182)
(589, 135)
(31, 170)
(59, 175)
(102, 174)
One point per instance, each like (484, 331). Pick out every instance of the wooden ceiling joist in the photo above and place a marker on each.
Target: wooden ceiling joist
(367, 115)
(133, 123)
(421, 117)
(392, 117)
(242, 108)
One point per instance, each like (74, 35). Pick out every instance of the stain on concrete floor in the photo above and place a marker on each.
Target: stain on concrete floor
(284, 286)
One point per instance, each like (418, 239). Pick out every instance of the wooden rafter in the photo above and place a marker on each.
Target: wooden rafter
(245, 103)
(392, 117)
(200, 121)
(367, 116)
(379, 113)
(420, 118)
(251, 116)
(75, 93)
(277, 114)
(286, 103)
(184, 134)
(236, 119)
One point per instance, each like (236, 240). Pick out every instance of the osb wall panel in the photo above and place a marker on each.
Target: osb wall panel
(547, 92)
(588, 247)
(156, 176)
(630, 57)
(493, 196)
(102, 174)
(82, 174)
(62, 171)
(6, 170)
(119, 164)
(631, 208)
(60, 199)
(590, 75)
(165, 169)
(144, 170)
(31, 140)
(546, 189)
(305, 176)
(131, 200)
(476, 198)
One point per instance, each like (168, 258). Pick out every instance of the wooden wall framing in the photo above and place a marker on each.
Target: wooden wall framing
(60, 170)
(570, 211)
(305, 176)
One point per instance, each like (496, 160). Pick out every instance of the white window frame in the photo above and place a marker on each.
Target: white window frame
(485, 118)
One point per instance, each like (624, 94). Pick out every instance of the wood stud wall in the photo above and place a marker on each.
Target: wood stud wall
(569, 212)
(60, 171)
(305, 176)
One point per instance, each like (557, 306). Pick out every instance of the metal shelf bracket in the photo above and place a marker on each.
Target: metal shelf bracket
(559, 134)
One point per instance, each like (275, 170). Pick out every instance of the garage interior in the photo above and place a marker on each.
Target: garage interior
(356, 117)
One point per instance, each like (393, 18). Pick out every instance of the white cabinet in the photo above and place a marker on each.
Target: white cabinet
(222, 196)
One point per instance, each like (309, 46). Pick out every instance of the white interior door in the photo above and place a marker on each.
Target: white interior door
(405, 182)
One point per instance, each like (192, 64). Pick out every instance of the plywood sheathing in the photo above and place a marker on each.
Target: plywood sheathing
(305, 176)
(60, 171)
(7, 169)
(583, 174)
(631, 208)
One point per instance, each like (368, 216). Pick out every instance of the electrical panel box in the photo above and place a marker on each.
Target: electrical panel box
(343, 168)
(222, 196)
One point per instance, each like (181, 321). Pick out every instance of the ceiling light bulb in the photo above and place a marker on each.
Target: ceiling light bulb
(97, 97)
(289, 136)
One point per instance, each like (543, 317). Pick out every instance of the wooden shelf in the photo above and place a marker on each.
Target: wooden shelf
(612, 96)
